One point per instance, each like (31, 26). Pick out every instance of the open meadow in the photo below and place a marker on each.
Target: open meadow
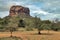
(32, 35)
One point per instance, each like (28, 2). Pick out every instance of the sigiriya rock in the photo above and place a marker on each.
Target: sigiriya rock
(19, 10)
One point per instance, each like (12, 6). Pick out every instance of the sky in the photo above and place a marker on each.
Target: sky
(45, 9)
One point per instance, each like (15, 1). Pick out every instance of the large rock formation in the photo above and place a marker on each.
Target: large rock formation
(19, 10)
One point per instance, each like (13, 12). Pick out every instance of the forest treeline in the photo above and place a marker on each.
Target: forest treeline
(13, 23)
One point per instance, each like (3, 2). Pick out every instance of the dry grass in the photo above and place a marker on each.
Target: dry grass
(10, 38)
(32, 35)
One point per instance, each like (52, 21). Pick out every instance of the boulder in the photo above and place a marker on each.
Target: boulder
(19, 10)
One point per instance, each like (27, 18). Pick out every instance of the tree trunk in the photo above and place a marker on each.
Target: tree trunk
(11, 34)
(48, 31)
(39, 32)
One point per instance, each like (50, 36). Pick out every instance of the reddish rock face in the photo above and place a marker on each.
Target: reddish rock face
(19, 10)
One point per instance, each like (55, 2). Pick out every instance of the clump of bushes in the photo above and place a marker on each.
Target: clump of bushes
(29, 29)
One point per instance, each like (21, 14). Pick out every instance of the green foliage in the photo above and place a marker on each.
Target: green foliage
(47, 26)
(55, 26)
(21, 23)
(37, 23)
(29, 23)
(29, 29)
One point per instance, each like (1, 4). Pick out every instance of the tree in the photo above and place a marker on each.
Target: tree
(55, 20)
(12, 25)
(37, 24)
(11, 29)
(55, 26)
(29, 23)
(46, 25)
(2, 24)
(21, 23)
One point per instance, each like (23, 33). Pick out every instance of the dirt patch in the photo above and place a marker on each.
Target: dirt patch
(32, 35)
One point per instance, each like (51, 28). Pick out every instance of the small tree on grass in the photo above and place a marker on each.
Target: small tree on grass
(12, 25)
(39, 29)
(47, 25)
(11, 30)
(37, 24)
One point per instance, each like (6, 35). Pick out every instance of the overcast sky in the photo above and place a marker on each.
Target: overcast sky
(46, 9)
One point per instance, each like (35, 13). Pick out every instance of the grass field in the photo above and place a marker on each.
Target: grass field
(10, 38)
(32, 35)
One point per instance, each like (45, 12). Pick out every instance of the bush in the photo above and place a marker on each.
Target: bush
(29, 29)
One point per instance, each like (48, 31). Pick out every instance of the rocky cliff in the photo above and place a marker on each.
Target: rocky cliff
(19, 10)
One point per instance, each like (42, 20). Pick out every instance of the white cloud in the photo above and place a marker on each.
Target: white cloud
(49, 10)
(3, 14)
(36, 9)
(45, 14)
(40, 12)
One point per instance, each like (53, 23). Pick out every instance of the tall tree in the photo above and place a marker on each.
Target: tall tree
(47, 25)
(37, 24)
(12, 25)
